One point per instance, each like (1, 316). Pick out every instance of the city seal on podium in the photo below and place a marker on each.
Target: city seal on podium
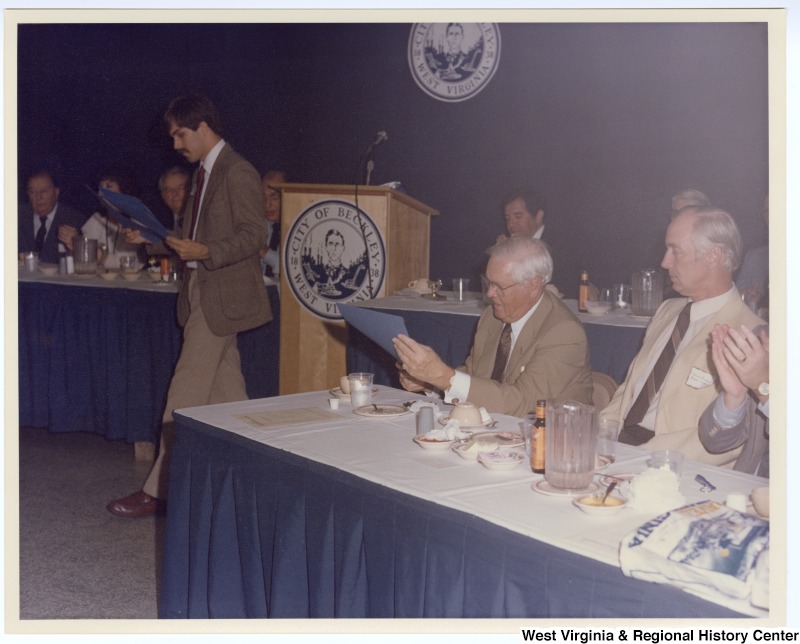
(453, 61)
(334, 254)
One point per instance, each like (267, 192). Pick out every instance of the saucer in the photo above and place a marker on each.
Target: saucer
(381, 411)
(543, 487)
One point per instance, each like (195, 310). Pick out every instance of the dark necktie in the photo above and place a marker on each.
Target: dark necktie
(41, 234)
(275, 237)
(503, 351)
(198, 191)
(656, 378)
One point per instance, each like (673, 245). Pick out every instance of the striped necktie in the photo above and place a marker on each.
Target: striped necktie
(659, 373)
(503, 351)
(198, 191)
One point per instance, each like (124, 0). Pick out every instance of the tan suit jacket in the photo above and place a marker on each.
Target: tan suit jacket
(680, 404)
(232, 292)
(550, 360)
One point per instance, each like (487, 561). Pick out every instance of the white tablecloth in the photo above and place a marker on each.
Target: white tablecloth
(410, 300)
(382, 451)
(144, 283)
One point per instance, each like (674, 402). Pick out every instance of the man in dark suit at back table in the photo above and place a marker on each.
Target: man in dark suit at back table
(40, 219)
(222, 291)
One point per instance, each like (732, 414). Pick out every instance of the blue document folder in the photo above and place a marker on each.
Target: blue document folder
(377, 326)
(132, 213)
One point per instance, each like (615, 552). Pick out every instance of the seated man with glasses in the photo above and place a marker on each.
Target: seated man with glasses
(527, 347)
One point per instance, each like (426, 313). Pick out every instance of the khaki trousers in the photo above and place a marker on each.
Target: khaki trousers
(209, 371)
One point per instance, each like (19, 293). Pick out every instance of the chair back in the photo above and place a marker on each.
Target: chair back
(604, 388)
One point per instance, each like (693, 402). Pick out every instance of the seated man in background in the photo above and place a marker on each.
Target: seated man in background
(528, 345)
(523, 212)
(270, 254)
(752, 280)
(173, 186)
(688, 197)
(740, 414)
(671, 380)
(39, 220)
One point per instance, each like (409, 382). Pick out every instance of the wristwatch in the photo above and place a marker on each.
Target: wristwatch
(763, 389)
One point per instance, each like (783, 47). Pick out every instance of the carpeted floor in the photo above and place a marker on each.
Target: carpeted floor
(77, 560)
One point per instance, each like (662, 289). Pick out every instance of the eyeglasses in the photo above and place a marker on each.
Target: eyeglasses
(501, 290)
(173, 191)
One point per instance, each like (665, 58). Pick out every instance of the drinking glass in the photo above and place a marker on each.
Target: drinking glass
(460, 288)
(607, 432)
(622, 296)
(360, 389)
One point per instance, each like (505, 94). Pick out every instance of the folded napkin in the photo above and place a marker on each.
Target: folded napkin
(450, 432)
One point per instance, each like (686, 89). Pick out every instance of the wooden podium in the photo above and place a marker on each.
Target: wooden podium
(334, 253)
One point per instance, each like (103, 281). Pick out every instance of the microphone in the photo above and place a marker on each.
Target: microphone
(380, 137)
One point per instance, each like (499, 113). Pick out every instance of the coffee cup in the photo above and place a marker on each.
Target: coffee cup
(344, 384)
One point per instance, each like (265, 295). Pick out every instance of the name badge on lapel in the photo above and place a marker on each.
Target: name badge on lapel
(699, 379)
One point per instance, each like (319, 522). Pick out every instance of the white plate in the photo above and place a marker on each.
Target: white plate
(543, 487)
(343, 396)
(500, 459)
(433, 445)
(640, 317)
(381, 411)
(443, 421)
(507, 439)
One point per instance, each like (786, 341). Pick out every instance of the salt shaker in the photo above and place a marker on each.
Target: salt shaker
(424, 420)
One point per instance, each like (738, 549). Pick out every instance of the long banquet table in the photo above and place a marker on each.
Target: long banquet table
(346, 517)
(98, 356)
(449, 326)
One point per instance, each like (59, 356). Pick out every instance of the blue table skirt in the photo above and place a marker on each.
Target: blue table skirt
(100, 360)
(257, 532)
(612, 348)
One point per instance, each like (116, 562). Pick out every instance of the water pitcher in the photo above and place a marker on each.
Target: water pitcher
(84, 252)
(647, 290)
(571, 444)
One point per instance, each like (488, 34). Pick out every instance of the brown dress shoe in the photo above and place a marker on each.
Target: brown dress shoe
(135, 506)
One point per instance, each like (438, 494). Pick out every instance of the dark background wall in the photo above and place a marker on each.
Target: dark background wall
(607, 120)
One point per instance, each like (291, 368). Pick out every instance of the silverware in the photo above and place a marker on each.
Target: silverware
(705, 485)
(608, 491)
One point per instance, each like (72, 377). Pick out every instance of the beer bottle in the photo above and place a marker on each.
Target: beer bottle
(538, 438)
(583, 291)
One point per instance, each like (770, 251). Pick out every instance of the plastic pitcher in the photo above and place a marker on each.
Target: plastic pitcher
(571, 444)
(647, 290)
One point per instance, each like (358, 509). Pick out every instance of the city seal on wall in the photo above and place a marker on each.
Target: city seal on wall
(453, 61)
(334, 254)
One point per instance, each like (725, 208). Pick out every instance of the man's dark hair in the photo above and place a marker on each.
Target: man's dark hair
(534, 202)
(192, 109)
(43, 172)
